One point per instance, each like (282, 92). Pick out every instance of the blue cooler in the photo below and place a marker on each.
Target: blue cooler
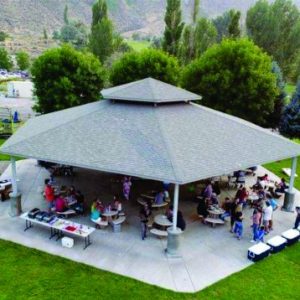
(258, 251)
(277, 243)
(292, 236)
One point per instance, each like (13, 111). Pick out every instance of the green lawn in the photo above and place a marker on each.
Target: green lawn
(3, 156)
(290, 89)
(276, 168)
(138, 45)
(31, 274)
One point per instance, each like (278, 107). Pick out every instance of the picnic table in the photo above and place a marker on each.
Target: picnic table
(162, 220)
(59, 227)
(214, 216)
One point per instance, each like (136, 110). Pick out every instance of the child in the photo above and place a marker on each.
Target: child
(260, 234)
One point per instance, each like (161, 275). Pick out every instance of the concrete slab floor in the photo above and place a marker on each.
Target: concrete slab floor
(208, 254)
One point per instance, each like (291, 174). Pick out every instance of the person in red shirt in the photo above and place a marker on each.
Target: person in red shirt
(49, 194)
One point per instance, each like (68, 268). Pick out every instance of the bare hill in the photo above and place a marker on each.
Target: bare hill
(30, 17)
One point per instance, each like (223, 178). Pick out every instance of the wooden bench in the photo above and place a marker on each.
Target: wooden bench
(288, 171)
(117, 223)
(100, 224)
(159, 233)
(66, 213)
(214, 221)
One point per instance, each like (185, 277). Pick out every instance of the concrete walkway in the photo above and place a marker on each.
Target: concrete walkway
(208, 254)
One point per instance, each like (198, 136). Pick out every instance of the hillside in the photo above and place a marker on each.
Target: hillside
(30, 17)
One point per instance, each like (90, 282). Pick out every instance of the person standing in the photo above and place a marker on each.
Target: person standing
(238, 226)
(297, 222)
(256, 218)
(267, 218)
(49, 194)
(126, 187)
(145, 213)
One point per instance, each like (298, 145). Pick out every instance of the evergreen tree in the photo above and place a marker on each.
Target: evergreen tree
(102, 35)
(195, 10)
(222, 23)
(45, 34)
(66, 16)
(196, 39)
(99, 12)
(234, 26)
(290, 122)
(174, 27)
(274, 118)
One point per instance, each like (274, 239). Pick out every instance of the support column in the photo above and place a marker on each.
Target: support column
(15, 196)
(174, 232)
(14, 176)
(289, 197)
(175, 206)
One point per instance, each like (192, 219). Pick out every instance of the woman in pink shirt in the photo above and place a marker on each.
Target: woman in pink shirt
(60, 204)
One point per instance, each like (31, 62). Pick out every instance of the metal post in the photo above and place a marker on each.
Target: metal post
(173, 245)
(15, 196)
(293, 172)
(175, 206)
(14, 176)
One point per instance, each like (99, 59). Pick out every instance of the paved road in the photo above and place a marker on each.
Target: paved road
(22, 105)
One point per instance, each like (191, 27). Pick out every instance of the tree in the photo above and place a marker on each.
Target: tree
(5, 60)
(273, 120)
(234, 77)
(64, 77)
(147, 63)
(222, 23)
(66, 16)
(174, 27)
(196, 39)
(101, 39)
(205, 36)
(234, 26)
(195, 11)
(294, 76)
(275, 27)
(45, 34)
(74, 33)
(290, 122)
(99, 12)
(102, 32)
(3, 36)
(23, 60)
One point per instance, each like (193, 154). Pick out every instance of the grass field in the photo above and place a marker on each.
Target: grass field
(276, 168)
(5, 157)
(138, 45)
(290, 89)
(31, 274)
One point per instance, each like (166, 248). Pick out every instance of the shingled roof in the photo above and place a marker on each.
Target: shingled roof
(178, 142)
(149, 90)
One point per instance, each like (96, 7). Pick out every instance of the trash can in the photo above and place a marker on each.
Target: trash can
(173, 246)
(15, 204)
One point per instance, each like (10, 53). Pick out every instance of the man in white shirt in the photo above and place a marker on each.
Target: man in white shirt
(268, 211)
